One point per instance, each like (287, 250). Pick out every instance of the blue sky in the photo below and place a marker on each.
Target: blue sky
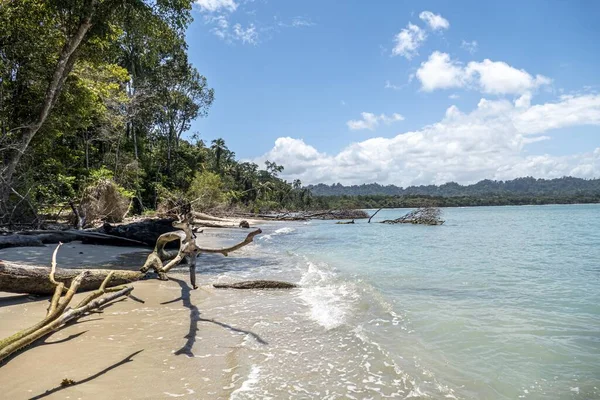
(403, 92)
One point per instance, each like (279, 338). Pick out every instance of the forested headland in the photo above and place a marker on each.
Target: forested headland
(520, 191)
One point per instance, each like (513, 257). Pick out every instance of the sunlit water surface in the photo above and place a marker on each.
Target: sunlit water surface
(497, 303)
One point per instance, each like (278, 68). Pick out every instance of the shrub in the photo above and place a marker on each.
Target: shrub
(206, 191)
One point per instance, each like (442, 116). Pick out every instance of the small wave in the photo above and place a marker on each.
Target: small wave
(281, 231)
(248, 385)
(330, 301)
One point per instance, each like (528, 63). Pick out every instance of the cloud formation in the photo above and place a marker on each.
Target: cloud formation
(488, 142)
(371, 121)
(491, 77)
(217, 5)
(471, 46)
(434, 21)
(221, 15)
(245, 35)
(408, 41)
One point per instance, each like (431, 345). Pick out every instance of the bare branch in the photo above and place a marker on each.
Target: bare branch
(374, 214)
(227, 250)
(53, 268)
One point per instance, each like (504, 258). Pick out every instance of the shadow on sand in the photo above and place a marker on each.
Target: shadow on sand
(127, 359)
(195, 318)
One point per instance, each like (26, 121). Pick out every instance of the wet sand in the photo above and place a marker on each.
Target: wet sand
(131, 350)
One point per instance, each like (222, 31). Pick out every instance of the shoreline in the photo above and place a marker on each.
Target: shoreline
(129, 346)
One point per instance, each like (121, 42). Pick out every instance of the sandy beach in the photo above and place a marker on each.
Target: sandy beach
(130, 349)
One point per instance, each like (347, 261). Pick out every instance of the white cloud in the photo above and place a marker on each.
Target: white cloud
(408, 41)
(498, 77)
(245, 35)
(571, 111)
(221, 26)
(524, 101)
(440, 72)
(217, 5)
(371, 121)
(493, 77)
(390, 85)
(488, 142)
(434, 21)
(471, 46)
(301, 21)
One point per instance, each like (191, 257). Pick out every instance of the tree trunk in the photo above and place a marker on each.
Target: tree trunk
(145, 231)
(259, 284)
(135, 147)
(21, 278)
(63, 67)
(40, 238)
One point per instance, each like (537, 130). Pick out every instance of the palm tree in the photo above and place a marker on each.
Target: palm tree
(218, 147)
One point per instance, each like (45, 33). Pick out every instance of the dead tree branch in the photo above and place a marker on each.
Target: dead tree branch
(58, 314)
(188, 249)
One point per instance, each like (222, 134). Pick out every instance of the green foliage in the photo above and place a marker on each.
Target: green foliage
(206, 191)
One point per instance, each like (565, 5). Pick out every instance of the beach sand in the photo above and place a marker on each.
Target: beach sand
(132, 350)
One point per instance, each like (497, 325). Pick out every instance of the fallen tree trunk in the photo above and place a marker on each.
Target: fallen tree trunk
(58, 314)
(140, 233)
(146, 231)
(21, 278)
(208, 217)
(258, 284)
(42, 237)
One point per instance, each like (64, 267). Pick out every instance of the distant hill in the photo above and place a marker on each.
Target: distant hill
(561, 187)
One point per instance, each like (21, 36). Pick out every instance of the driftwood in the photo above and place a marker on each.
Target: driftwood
(188, 250)
(208, 217)
(18, 278)
(146, 231)
(21, 278)
(422, 216)
(42, 237)
(259, 284)
(305, 216)
(374, 214)
(58, 314)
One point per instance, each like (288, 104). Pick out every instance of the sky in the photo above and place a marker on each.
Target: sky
(403, 92)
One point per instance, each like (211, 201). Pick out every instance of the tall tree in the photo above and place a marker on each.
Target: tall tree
(41, 42)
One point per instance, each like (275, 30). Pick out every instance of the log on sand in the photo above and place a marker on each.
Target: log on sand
(259, 284)
(146, 231)
(40, 238)
(21, 278)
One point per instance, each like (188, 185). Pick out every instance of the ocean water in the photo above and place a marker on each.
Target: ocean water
(497, 303)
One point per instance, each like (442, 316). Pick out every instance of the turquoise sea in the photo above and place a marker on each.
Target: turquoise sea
(497, 303)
